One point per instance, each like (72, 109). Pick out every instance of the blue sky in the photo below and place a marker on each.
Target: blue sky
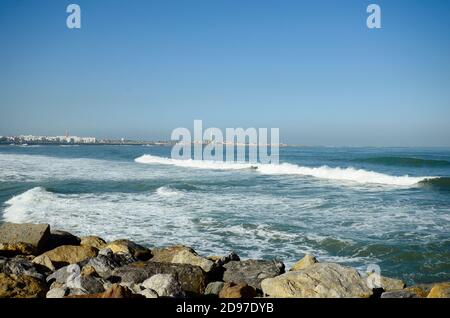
(138, 69)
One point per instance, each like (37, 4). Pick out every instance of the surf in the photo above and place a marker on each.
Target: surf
(349, 174)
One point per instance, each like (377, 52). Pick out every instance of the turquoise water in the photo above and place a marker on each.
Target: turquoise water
(355, 206)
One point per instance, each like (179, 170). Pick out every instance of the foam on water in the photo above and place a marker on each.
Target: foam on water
(324, 172)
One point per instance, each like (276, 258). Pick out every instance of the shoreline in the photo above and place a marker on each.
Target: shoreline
(39, 262)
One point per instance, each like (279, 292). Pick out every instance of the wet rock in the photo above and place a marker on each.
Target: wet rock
(305, 262)
(321, 280)
(191, 278)
(232, 290)
(60, 238)
(129, 247)
(441, 290)
(70, 254)
(165, 285)
(251, 272)
(13, 249)
(93, 241)
(12, 286)
(222, 260)
(181, 254)
(36, 235)
(214, 288)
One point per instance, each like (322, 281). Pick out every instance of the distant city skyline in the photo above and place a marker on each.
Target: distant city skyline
(313, 69)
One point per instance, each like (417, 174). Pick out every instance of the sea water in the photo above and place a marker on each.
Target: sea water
(354, 206)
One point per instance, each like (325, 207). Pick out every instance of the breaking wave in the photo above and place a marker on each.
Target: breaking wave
(324, 172)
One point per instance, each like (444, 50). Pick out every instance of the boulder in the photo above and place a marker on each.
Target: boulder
(93, 241)
(232, 290)
(106, 261)
(62, 275)
(191, 278)
(20, 248)
(70, 254)
(222, 260)
(60, 238)
(305, 262)
(165, 285)
(441, 290)
(128, 247)
(180, 254)
(399, 294)
(88, 270)
(321, 280)
(375, 281)
(251, 272)
(57, 292)
(21, 266)
(115, 291)
(421, 290)
(45, 261)
(214, 288)
(36, 235)
(148, 293)
(12, 286)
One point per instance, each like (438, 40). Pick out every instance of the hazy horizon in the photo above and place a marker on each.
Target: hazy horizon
(138, 70)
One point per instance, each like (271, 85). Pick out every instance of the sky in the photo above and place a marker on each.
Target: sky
(139, 69)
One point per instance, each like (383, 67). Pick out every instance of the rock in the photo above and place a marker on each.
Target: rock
(20, 266)
(441, 290)
(129, 247)
(57, 293)
(88, 270)
(305, 262)
(232, 290)
(60, 238)
(106, 261)
(214, 288)
(399, 294)
(222, 260)
(321, 280)
(12, 286)
(20, 248)
(135, 288)
(115, 291)
(148, 293)
(93, 241)
(191, 278)
(45, 261)
(36, 235)
(165, 285)
(375, 281)
(70, 254)
(421, 290)
(62, 275)
(251, 272)
(180, 254)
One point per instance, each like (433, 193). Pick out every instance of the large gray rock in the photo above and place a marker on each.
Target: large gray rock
(59, 292)
(106, 261)
(62, 275)
(321, 280)
(165, 285)
(36, 235)
(214, 288)
(251, 272)
(191, 278)
(21, 266)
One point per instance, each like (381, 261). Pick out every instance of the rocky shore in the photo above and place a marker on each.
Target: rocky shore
(37, 262)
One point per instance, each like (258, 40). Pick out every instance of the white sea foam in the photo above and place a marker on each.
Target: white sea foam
(324, 172)
(168, 192)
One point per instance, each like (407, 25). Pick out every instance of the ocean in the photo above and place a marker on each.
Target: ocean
(354, 206)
